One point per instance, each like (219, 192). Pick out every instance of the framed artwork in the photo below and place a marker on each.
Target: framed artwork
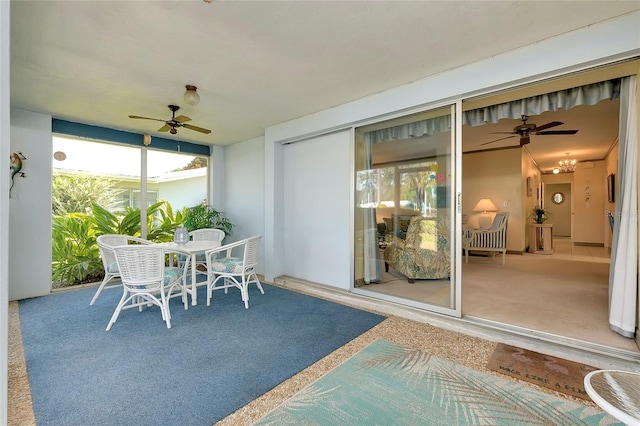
(529, 187)
(611, 188)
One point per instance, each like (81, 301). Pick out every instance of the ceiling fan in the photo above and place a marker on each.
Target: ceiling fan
(524, 130)
(175, 122)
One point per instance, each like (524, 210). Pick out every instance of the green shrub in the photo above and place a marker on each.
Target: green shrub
(76, 193)
(74, 250)
(204, 216)
(76, 258)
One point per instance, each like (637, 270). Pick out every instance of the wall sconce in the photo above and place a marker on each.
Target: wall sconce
(485, 205)
(191, 95)
(146, 139)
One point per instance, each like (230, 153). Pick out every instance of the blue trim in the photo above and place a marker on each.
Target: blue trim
(102, 133)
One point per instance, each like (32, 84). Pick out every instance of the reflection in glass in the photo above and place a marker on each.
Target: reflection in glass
(402, 213)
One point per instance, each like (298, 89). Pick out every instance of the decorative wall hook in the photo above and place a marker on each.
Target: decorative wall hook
(16, 168)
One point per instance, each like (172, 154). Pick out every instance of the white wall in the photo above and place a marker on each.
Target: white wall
(30, 207)
(317, 206)
(589, 218)
(244, 189)
(4, 206)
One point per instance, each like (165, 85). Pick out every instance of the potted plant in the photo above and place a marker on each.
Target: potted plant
(205, 216)
(539, 215)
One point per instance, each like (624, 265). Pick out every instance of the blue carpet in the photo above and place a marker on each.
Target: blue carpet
(212, 361)
(388, 384)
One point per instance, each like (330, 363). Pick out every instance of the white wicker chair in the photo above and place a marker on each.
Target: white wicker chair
(205, 234)
(105, 246)
(233, 265)
(145, 278)
(493, 239)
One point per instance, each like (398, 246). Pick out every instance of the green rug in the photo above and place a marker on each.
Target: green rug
(386, 384)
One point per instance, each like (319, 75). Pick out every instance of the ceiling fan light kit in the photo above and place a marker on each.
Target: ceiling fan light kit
(191, 96)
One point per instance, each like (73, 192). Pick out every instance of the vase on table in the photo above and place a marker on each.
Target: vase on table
(181, 236)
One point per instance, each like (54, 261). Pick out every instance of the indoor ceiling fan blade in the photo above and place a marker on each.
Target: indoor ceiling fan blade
(558, 132)
(508, 137)
(503, 133)
(164, 128)
(182, 119)
(197, 129)
(145, 118)
(547, 126)
(524, 140)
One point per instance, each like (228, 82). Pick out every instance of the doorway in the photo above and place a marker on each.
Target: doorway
(558, 203)
(503, 168)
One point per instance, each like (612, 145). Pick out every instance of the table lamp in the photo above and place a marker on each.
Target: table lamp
(485, 205)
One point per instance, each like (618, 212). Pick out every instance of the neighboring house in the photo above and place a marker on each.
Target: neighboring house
(184, 188)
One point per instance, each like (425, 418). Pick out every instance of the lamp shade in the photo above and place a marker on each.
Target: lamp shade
(485, 205)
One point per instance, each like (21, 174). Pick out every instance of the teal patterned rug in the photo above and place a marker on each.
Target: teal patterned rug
(387, 384)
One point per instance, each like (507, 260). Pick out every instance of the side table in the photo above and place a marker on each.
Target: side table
(541, 238)
(616, 392)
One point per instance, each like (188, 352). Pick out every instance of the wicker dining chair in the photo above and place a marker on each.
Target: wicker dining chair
(234, 265)
(105, 246)
(147, 280)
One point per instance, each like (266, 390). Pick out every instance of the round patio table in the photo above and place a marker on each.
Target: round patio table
(616, 392)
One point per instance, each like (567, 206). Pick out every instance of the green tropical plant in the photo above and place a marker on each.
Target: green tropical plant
(76, 258)
(205, 216)
(539, 215)
(74, 251)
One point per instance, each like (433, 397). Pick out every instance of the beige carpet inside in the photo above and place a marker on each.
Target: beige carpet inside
(567, 298)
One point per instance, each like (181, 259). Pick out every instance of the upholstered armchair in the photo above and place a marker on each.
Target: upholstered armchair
(424, 253)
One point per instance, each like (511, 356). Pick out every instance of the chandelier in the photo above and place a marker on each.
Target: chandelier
(566, 165)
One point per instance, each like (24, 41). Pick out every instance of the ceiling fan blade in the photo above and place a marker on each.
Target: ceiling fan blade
(508, 137)
(164, 128)
(503, 133)
(145, 118)
(547, 126)
(524, 140)
(558, 132)
(197, 129)
(182, 119)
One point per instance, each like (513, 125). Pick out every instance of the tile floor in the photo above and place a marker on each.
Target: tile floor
(564, 249)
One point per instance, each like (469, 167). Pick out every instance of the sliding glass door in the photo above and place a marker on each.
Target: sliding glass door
(406, 210)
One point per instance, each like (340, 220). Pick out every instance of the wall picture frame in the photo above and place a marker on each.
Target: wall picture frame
(611, 188)
(529, 186)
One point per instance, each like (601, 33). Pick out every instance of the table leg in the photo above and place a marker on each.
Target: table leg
(194, 290)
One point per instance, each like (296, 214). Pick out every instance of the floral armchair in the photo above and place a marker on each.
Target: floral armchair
(424, 253)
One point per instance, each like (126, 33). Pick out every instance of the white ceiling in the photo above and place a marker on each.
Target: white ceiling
(258, 63)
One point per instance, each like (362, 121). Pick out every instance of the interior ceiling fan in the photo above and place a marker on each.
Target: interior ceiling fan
(524, 130)
(175, 122)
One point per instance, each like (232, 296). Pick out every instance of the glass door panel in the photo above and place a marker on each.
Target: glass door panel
(405, 211)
